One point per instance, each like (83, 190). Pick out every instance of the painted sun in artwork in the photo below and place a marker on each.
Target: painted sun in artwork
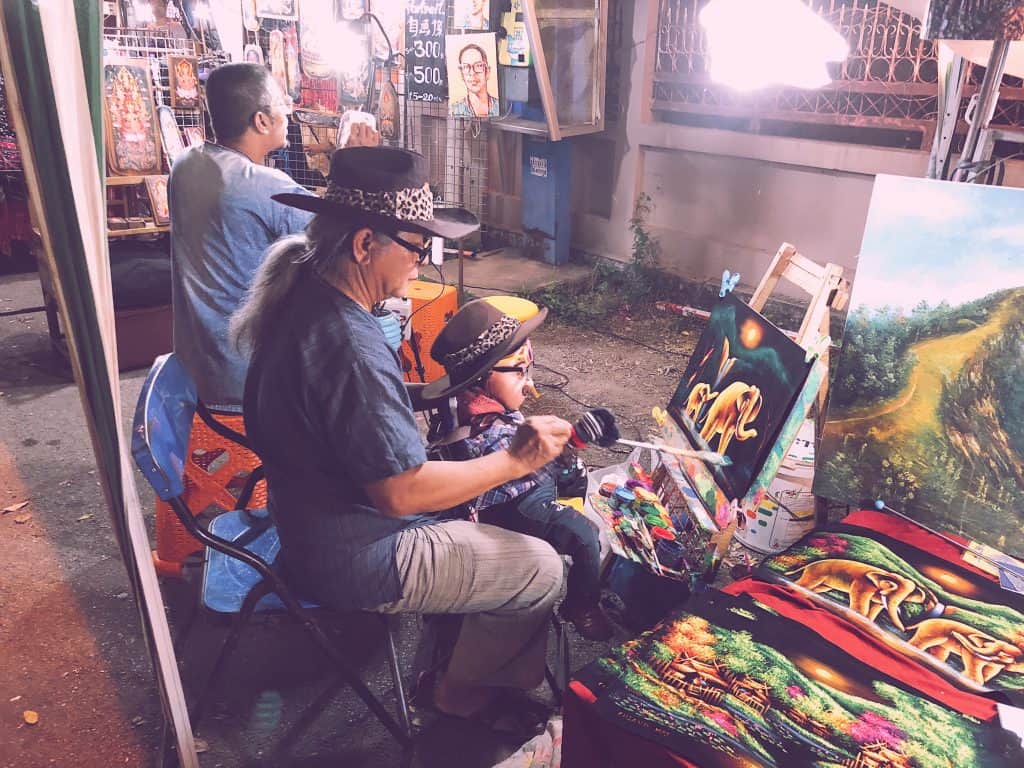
(751, 333)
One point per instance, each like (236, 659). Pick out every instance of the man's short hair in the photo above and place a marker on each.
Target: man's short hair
(474, 46)
(234, 93)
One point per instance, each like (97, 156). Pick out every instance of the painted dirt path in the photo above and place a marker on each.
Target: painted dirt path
(915, 411)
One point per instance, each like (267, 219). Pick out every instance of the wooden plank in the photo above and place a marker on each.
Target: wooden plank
(113, 234)
(540, 67)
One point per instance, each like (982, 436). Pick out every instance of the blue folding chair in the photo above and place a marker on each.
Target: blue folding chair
(238, 576)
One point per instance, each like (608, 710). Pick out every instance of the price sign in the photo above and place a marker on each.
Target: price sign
(425, 27)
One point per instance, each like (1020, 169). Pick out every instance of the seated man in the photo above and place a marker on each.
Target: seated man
(351, 490)
(223, 221)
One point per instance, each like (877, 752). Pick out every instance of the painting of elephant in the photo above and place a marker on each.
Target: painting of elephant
(737, 391)
(983, 655)
(700, 396)
(730, 416)
(870, 589)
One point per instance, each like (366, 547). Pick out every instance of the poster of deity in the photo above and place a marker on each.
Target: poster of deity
(129, 118)
(156, 186)
(253, 54)
(184, 82)
(316, 19)
(170, 134)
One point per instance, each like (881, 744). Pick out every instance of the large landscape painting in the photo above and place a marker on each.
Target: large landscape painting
(927, 405)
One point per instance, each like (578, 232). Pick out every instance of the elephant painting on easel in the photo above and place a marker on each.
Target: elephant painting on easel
(738, 389)
(730, 416)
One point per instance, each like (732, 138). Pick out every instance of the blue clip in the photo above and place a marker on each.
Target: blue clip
(728, 283)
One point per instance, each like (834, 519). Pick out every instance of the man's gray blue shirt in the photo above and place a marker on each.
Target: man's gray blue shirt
(222, 222)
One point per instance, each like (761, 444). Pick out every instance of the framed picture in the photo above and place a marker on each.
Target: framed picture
(253, 54)
(156, 186)
(355, 77)
(278, 9)
(738, 390)
(472, 75)
(130, 119)
(291, 63)
(170, 134)
(194, 136)
(316, 19)
(472, 14)
(926, 411)
(275, 52)
(183, 76)
(352, 10)
(249, 19)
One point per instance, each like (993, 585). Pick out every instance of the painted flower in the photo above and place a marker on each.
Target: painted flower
(795, 691)
(723, 720)
(871, 727)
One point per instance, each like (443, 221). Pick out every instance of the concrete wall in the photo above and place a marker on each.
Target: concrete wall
(722, 199)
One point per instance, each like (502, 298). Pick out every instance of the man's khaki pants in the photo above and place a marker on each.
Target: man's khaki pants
(504, 583)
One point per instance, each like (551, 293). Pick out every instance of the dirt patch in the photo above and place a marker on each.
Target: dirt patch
(629, 365)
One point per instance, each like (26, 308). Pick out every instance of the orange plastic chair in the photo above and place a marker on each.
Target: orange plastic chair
(216, 474)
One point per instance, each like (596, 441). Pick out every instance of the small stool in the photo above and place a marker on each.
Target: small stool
(215, 473)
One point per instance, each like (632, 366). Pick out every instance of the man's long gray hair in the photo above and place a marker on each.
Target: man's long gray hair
(319, 249)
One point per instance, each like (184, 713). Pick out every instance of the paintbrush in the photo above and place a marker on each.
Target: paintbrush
(709, 457)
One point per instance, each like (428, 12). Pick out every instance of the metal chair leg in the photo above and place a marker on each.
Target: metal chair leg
(396, 673)
(226, 650)
(355, 682)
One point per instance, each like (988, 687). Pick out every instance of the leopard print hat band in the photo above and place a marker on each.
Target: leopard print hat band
(413, 204)
(462, 360)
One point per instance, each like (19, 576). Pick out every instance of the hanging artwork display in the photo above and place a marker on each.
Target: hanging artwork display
(156, 187)
(961, 625)
(249, 18)
(425, 26)
(170, 134)
(316, 20)
(974, 20)
(387, 111)
(355, 74)
(927, 407)
(392, 17)
(728, 683)
(738, 389)
(278, 9)
(275, 51)
(350, 10)
(193, 136)
(472, 75)
(291, 62)
(130, 119)
(472, 14)
(184, 82)
(253, 54)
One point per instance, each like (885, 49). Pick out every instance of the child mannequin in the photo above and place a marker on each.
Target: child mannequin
(488, 415)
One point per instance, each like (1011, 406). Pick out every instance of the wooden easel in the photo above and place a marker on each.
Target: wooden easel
(828, 290)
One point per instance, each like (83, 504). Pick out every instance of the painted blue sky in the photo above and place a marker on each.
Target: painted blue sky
(938, 240)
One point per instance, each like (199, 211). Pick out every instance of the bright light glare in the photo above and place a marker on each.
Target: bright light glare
(144, 14)
(347, 54)
(202, 12)
(757, 43)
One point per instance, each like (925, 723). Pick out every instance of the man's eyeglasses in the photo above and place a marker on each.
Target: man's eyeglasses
(474, 69)
(422, 251)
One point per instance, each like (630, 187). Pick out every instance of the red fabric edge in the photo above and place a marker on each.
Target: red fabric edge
(908, 533)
